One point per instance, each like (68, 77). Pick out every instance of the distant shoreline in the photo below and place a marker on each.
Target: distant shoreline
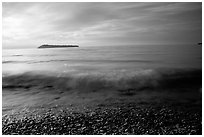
(57, 46)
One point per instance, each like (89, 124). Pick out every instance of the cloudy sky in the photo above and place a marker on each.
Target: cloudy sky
(32, 24)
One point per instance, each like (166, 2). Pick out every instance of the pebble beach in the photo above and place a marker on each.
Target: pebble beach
(112, 119)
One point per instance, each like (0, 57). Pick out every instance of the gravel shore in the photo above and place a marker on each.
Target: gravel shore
(118, 118)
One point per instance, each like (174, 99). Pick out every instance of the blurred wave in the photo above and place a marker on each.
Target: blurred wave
(136, 80)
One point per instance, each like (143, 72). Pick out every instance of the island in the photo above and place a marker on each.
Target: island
(57, 46)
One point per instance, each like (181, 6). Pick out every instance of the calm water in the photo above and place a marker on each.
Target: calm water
(101, 59)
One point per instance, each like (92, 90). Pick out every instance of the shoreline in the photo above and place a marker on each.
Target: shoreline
(110, 117)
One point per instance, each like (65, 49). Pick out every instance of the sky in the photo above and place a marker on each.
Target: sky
(29, 25)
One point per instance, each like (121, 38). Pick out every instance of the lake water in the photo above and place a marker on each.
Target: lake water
(98, 67)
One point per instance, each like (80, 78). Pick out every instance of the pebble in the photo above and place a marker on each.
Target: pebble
(119, 120)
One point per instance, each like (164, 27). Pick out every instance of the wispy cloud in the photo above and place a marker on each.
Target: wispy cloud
(32, 24)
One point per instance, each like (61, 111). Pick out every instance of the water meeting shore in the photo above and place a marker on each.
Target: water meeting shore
(152, 115)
